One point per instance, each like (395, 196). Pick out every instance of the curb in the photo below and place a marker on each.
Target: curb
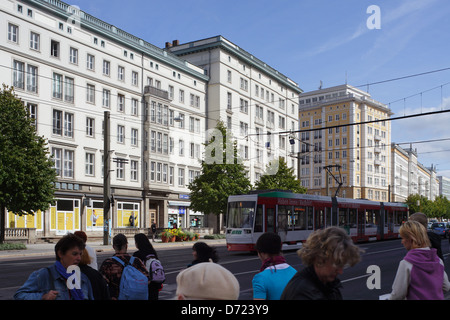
(47, 249)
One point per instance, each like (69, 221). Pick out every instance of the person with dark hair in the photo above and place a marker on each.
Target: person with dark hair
(275, 273)
(147, 254)
(203, 253)
(91, 251)
(112, 269)
(51, 283)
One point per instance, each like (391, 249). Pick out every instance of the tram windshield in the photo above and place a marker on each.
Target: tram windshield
(241, 214)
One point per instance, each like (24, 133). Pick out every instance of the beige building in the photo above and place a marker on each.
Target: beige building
(345, 143)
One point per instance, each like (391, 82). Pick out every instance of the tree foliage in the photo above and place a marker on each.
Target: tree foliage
(222, 174)
(439, 208)
(26, 173)
(283, 178)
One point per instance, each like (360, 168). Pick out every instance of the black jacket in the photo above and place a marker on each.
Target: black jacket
(435, 240)
(305, 285)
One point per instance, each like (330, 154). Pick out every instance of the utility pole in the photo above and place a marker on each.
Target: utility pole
(106, 181)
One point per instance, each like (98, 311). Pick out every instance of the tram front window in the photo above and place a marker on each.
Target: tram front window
(241, 214)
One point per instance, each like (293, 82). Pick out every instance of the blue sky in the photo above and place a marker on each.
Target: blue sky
(316, 40)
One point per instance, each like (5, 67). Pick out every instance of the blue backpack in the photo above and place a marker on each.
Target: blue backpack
(133, 283)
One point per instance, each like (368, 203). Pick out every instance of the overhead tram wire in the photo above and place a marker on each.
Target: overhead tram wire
(356, 123)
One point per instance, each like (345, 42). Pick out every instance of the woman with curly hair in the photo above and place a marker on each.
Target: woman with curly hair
(325, 254)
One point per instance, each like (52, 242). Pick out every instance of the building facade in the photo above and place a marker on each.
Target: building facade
(74, 71)
(345, 143)
(410, 177)
(258, 104)
(69, 68)
(444, 186)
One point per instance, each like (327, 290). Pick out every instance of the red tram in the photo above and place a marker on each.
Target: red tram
(295, 216)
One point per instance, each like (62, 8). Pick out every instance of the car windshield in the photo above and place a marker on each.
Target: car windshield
(438, 225)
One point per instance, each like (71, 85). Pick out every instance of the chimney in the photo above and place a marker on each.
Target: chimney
(168, 45)
(176, 43)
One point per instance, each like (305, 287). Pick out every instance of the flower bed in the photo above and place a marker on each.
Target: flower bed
(171, 235)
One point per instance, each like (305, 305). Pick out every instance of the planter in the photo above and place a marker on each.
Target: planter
(164, 239)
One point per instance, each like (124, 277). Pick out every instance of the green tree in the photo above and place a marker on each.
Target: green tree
(418, 203)
(441, 207)
(222, 175)
(26, 173)
(283, 178)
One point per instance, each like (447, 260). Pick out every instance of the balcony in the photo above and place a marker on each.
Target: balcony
(156, 92)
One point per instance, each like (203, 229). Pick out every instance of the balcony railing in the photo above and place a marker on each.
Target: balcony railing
(156, 92)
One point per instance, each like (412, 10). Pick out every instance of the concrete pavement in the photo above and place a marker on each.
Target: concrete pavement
(46, 249)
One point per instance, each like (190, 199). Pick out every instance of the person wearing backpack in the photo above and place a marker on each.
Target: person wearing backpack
(148, 255)
(120, 267)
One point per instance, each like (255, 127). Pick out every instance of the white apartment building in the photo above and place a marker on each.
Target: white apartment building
(410, 177)
(258, 104)
(69, 68)
(343, 129)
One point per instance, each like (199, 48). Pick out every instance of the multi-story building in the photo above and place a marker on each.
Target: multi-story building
(74, 72)
(345, 143)
(69, 68)
(444, 186)
(255, 101)
(411, 177)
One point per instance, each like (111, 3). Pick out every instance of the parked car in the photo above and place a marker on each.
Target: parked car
(441, 228)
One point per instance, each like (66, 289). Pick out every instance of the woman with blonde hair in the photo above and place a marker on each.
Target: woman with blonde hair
(420, 275)
(325, 254)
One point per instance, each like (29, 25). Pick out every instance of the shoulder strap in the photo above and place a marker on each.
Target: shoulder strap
(119, 260)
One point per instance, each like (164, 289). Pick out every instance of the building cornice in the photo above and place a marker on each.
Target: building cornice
(226, 45)
(106, 30)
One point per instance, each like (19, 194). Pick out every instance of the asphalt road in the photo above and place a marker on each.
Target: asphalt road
(386, 255)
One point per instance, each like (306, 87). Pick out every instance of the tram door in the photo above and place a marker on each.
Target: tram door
(361, 223)
(270, 218)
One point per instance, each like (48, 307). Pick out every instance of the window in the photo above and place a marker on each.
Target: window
(134, 170)
(90, 93)
(68, 124)
(13, 33)
(120, 103)
(34, 41)
(73, 55)
(69, 89)
(90, 127)
(106, 68)
(121, 73)
(90, 163)
(134, 137)
(18, 74)
(90, 62)
(120, 134)
(120, 169)
(229, 101)
(180, 177)
(106, 98)
(63, 162)
(134, 107)
(181, 146)
(181, 97)
(54, 49)
(134, 78)
(57, 86)
(244, 106)
(32, 77)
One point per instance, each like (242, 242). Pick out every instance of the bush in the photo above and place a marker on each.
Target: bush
(12, 246)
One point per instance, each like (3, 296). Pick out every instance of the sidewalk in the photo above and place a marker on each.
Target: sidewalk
(48, 249)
